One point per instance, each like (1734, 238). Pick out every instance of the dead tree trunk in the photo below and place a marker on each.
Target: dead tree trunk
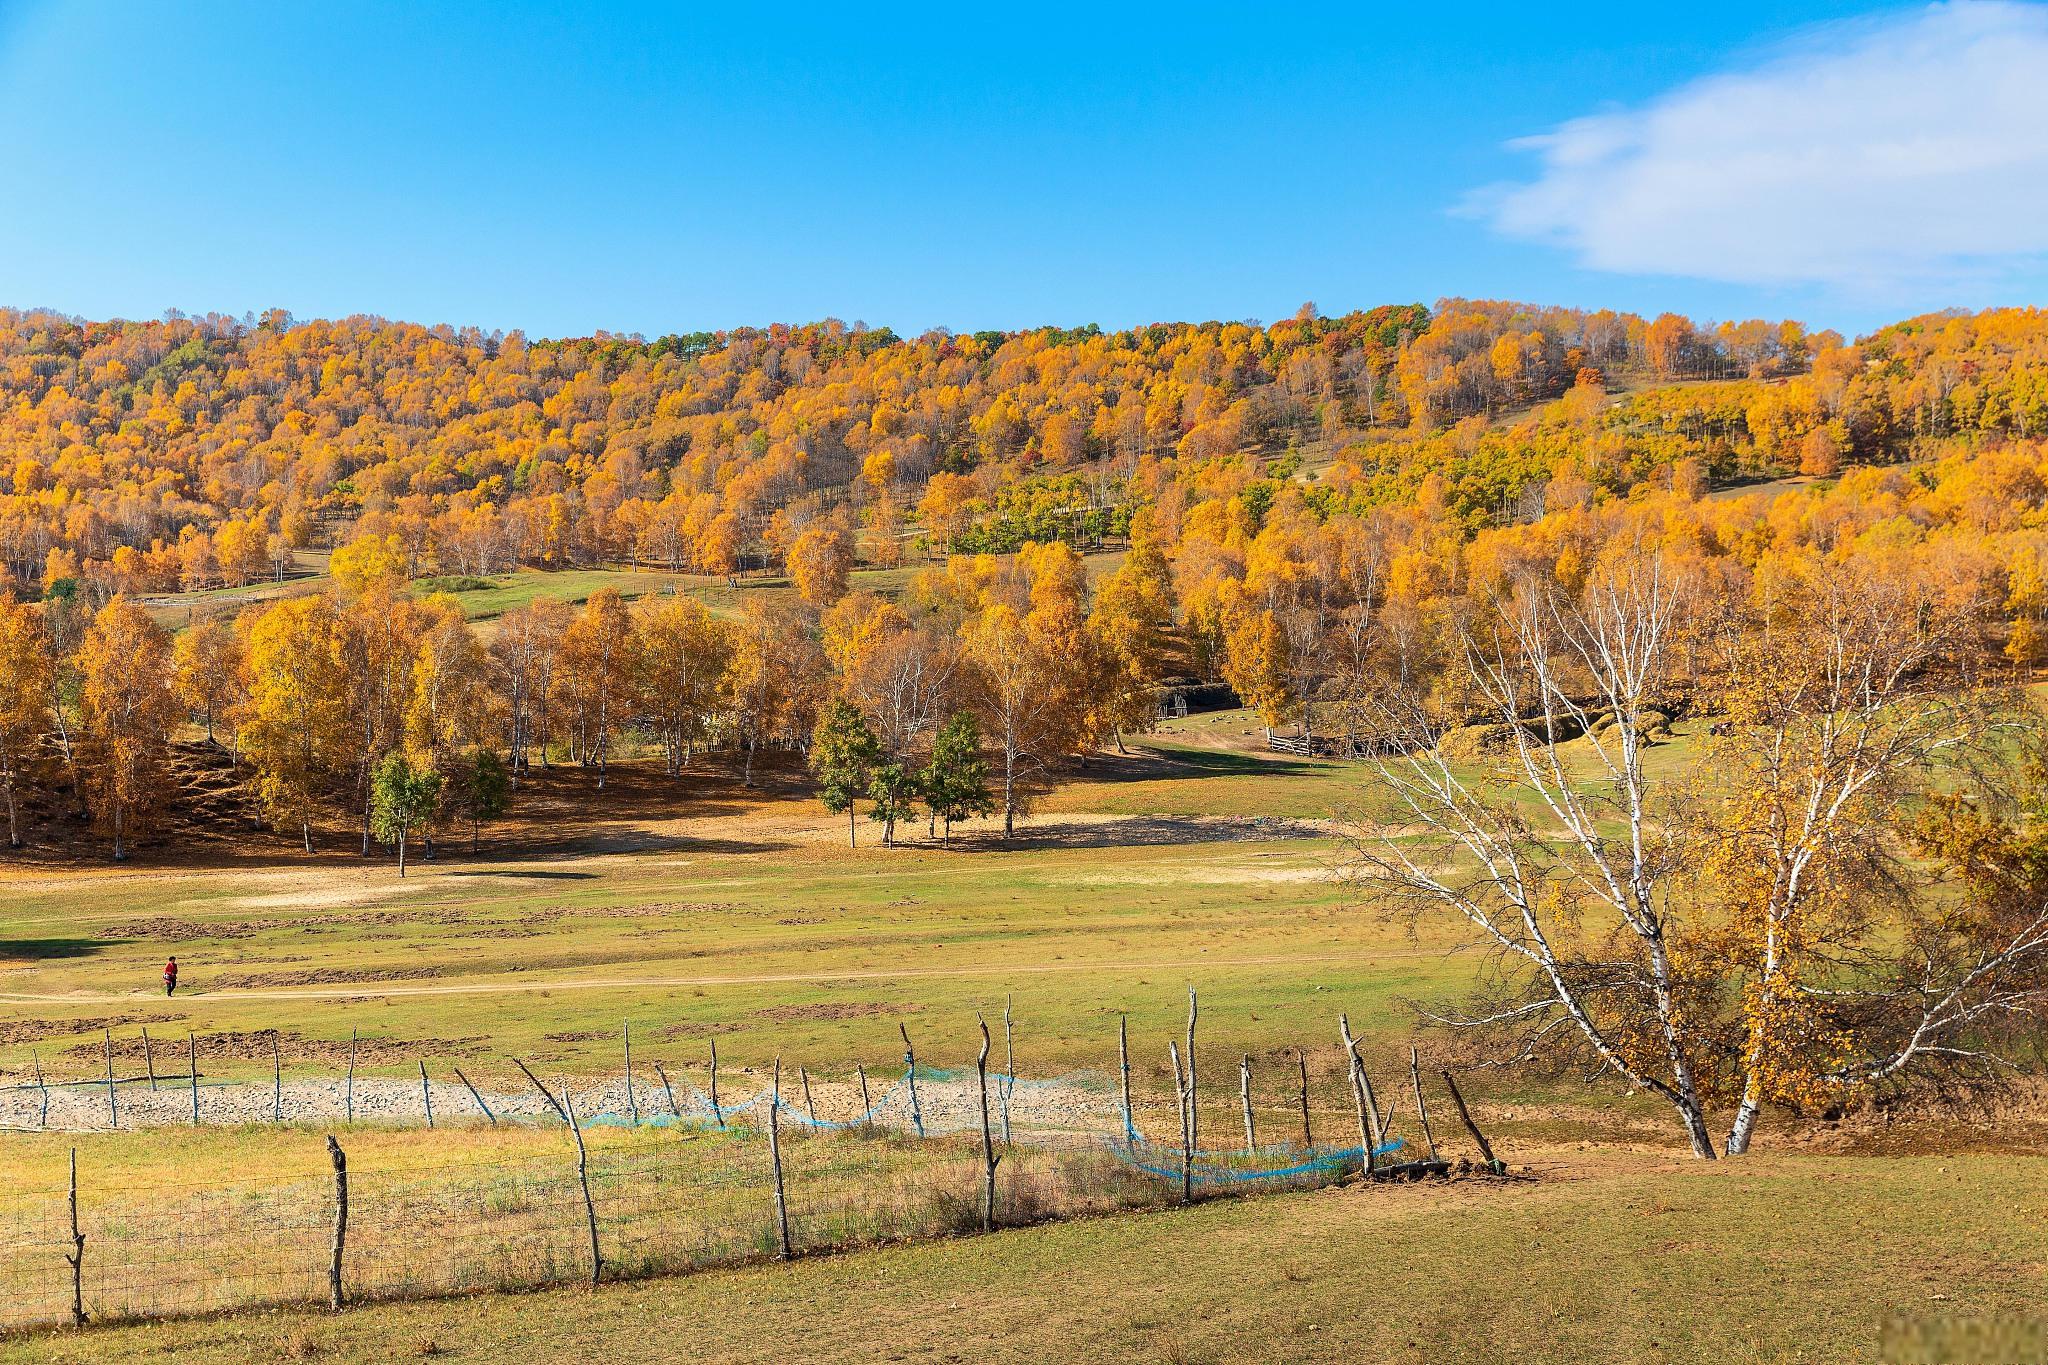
(1244, 1093)
(1308, 1136)
(113, 1104)
(1421, 1105)
(1123, 1066)
(910, 1073)
(568, 1107)
(1367, 1139)
(1485, 1148)
(76, 1256)
(988, 1146)
(1187, 1142)
(473, 1094)
(340, 1161)
(775, 1159)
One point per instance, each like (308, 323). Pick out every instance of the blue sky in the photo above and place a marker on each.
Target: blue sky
(644, 168)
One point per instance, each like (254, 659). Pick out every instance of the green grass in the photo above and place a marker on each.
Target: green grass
(1770, 1259)
(697, 908)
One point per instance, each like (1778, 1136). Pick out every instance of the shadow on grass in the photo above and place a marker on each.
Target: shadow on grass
(51, 949)
(1149, 764)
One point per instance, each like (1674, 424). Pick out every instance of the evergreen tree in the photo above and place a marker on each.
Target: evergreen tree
(955, 780)
(894, 789)
(482, 790)
(843, 756)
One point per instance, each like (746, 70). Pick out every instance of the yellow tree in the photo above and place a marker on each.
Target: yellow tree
(598, 653)
(456, 702)
(685, 654)
(776, 676)
(1133, 611)
(1841, 708)
(380, 635)
(128, 708)
(24, 698)
(210, 675)
(820, 561)
(296, 727)
(1255, 665)
(528, 647)
(1017, 689)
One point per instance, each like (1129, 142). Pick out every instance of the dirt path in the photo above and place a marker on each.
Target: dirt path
(381, 990)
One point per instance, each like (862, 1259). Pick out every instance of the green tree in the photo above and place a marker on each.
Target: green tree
(894, 789)
(843, 755)
(402, 797)
(482, 790)
(955, 780)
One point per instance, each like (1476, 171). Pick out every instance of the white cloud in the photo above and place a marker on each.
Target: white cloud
(1881, 156)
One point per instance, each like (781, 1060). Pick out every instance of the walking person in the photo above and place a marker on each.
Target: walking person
(171, 976)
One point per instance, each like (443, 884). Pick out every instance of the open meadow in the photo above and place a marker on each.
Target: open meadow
(701, 911)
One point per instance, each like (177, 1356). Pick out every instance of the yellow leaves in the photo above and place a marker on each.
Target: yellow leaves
(1255, 665)
(127, 708)
(369, 563)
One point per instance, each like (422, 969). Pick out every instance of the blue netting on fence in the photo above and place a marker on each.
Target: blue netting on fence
(1209, 1173)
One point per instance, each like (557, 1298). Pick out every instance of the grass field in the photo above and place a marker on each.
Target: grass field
(704, 908)
(1616, 1258)
(700, 909)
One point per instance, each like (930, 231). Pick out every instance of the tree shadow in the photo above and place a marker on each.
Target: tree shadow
(1150, 765)
(52, 949)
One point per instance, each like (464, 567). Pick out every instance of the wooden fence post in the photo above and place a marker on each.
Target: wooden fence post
(76, 1256)
(1368, 1137)
(349, 1095)
(192, 1056)
(334, 1154)
(716, 1112)
(988, 1146)
(867, 1108)
(43, 1120)
(545, 1093)
(1421, 1105)
(1009, 1069)
(113, 1105)
(775, 1158)
(910, 1071)
(809, 1108)
(1308, 1135)
(1485, 1148)
(1244, 1091)
(1187, 1144)
(426, 1095)
(477, 1097)
(669, 1091)
(276, 1080)
(1123, 1066)
(1194, 1113)
(632, 1104)
(149, 1059)
(568, 1108)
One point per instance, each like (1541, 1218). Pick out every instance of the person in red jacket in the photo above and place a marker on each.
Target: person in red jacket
(170, 976)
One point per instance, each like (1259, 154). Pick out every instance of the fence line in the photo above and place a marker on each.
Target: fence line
(630, 1189)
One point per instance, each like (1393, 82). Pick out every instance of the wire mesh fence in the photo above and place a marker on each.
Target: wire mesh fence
(665, 1170)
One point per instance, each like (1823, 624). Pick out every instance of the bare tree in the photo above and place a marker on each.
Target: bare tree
(1563, 869)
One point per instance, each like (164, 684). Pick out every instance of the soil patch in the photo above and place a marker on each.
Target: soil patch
(834, 1010)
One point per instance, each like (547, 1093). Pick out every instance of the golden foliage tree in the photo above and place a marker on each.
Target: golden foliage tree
(128, 708)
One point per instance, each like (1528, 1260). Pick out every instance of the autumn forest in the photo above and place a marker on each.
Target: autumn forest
(1301, 511)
